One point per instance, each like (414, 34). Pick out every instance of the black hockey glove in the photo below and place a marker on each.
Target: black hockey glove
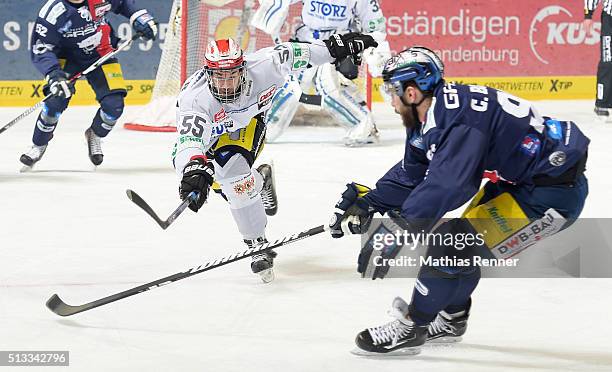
(58, 84)
(197, 176)
(368, 263)
(353, 213)
(144, 24)
(351, 44)
(348, 68)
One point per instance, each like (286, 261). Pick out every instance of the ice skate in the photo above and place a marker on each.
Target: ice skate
(94, 146)
(262, 263)
(32, 156)
(268, 192)
(396, 338)
(447, 328)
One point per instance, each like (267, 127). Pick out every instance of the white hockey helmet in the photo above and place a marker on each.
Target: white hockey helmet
(225, 67)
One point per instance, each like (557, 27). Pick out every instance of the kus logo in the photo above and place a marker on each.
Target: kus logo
(328, 10)
(555, 26)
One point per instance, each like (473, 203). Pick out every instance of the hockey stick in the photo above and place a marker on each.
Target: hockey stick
(89, 69)
(60, 308)
(145, 207)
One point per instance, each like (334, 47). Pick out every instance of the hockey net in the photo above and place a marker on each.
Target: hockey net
(192, 24)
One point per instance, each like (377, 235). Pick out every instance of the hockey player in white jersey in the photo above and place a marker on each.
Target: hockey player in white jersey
(221, 127)
(339, 95)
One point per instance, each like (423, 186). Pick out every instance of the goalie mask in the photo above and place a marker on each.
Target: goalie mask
(225, 69)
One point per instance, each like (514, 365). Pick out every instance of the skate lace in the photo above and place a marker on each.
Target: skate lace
(440, 325)
(36, 152)
(267, 198)
(94, 143)
(390, 332)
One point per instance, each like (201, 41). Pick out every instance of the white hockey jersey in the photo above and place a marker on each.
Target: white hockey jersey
(321, 18)
(201, 119)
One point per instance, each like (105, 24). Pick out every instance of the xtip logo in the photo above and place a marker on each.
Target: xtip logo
(555, 25)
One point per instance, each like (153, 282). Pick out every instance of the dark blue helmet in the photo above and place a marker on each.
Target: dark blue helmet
(417, 64)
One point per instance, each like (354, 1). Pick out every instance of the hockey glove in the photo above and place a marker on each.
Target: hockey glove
(144, 24)
(353, 213)
(58, 84)
(368, 263)
(197, 176)
(348, 68)
(351, 44)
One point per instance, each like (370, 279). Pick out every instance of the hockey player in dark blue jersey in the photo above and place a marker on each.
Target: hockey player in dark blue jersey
(456, 136)
(69, 36)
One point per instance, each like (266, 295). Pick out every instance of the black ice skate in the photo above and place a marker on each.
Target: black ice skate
(268, 192)
(602, 112)
(447, 328)
(33, 156)
(399, 337)
(94, 146)
(262, 263)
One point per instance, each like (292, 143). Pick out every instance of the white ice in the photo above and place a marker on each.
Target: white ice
(69, 230)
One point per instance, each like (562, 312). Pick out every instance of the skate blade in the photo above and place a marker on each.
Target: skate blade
(266, 275)
(26, 169)
(399, 353)
(445, 340)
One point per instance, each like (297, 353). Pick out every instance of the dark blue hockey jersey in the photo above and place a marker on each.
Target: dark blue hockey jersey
(471, 133)
(78, 33)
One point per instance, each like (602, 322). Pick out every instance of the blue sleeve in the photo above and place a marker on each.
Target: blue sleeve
(396, 185)
(126, 7)
(454, 175)
(45, 43)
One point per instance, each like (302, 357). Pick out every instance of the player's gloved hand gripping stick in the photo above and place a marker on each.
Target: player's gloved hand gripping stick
(94, 66)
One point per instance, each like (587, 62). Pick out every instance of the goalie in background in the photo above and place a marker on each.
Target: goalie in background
(456, 136)
(68, 37)
(221, 127)
(338, 94)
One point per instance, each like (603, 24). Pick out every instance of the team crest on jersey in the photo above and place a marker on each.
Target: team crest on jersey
(530, 145)
(265, 96)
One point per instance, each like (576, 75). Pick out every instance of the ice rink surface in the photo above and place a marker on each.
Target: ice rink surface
(70, 230)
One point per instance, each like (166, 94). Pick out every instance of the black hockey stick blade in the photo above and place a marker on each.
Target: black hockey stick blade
(134, 197)
(60, 308)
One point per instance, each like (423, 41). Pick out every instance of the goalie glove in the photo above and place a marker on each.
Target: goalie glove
(197, 176)
(353, 214)
(351, 44)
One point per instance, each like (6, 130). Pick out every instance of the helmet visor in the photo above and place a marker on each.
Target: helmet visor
(226, 84)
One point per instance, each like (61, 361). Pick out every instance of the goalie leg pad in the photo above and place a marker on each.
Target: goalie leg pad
(343, 107)
(284, 105)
